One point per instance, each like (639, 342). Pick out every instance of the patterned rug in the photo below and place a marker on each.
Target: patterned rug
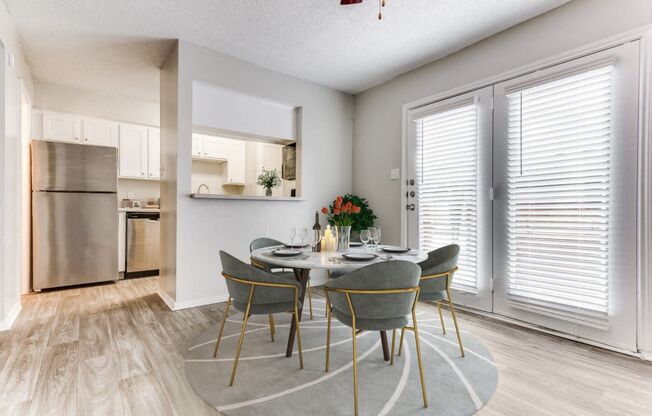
(267, 383)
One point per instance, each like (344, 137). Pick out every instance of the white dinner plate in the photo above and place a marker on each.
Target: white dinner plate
(286, 252)
(394, 249)
(359, 256)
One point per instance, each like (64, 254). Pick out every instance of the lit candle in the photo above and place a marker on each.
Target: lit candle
(327, 242)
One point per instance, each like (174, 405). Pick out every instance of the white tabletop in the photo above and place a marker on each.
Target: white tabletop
(332, 260)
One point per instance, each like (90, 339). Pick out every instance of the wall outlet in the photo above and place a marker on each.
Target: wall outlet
(394, 174)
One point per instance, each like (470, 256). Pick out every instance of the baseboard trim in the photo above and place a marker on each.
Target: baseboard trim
(11, 318)
(192, 303)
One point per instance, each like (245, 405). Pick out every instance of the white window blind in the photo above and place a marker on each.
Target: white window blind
(558, 192)
(446, 166)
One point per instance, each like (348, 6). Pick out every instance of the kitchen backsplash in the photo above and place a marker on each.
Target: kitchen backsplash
(138, 189)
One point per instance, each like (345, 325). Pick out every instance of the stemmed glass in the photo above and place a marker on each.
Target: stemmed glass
(315, 239)
(372, 235)
(365, 236)
(377, 237)
(293, 234)
(303, 234)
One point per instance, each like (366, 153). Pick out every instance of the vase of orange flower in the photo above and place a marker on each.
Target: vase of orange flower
(341, 215)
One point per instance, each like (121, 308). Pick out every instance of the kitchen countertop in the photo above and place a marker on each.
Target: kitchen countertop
(139, 210)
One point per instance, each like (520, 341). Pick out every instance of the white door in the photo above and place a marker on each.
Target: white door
(153, 153)
(61, 127)
(197, 145)
(236, 159)
(565, 197)
(449, 181)
(215, 148)
(133, 151)
(100, 132)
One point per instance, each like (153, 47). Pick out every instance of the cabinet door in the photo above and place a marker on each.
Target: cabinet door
(100, 132)
(61, 127)
(153, 153)
(197, 145)
(215, 148)
(133, 151)
(236, 160)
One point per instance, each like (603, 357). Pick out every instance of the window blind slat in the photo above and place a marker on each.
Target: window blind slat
(558, 192)
(446, 165)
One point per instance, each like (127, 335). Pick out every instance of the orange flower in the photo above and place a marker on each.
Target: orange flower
(336, 211)
(338, 202)
(349, 205)
(356, 209)
(345, 208)
(324, 210)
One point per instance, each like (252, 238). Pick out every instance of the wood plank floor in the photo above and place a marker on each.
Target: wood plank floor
(115, 349)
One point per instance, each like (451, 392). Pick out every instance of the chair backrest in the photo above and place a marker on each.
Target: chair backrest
(441, 260)
(396, 274)
(247, 276)
(263, 242)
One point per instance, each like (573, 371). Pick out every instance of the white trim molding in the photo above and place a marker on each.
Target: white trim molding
(644, 205)
(11, 318)
(192, 303)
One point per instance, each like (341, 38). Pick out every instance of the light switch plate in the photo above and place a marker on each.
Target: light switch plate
(394, 174)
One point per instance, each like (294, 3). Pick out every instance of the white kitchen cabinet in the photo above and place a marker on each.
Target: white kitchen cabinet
(215, 148)
(197, 145)
(133, 151)
(61, 127)
(236, 159)
(153, 153)
(100, 132)
(122, 240)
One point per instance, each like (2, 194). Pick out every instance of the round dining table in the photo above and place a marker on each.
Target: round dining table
(302, 264)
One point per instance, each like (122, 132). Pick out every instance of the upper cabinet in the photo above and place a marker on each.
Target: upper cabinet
(153, 153)
(61, 127)
(133, 151)
(100, 132)
(221, 149)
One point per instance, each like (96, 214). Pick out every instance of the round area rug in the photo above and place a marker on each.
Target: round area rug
(267, 383)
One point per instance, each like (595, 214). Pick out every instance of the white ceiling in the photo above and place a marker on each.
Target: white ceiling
(116, 46)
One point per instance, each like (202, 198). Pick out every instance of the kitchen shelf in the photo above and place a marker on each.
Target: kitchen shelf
(245, 197)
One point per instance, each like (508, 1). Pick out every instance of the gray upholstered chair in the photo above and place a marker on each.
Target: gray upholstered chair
(270, 242)
(379, 297)
(257, 292)
(436, 278)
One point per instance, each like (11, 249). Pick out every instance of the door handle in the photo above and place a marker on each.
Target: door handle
(410, 207)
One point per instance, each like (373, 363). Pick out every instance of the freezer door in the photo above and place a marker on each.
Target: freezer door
(75, 238)
(73, 167)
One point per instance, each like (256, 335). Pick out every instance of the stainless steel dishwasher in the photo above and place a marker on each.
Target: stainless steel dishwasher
(143, 244)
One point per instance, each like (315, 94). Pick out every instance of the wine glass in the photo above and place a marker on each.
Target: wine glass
(315, 238)
(377, 237)
(303, 234)
(365, 236)
(293, 234)
(372, 235)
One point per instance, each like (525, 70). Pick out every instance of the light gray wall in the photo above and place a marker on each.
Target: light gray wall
(203, 227)
(378, 111)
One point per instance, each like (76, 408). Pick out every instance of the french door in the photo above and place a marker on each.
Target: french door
(540, 194)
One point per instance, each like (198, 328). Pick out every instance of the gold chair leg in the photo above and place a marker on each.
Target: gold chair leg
(219, 334)
(272, 329)
(296, 321)
(391, 355)
(242, 334)
(355, 368)
(310, 299)
(328, 333)
(441, 318)
(457, 328)
(400, 343)
(416, 340)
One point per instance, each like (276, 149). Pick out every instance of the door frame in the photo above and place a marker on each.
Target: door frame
(644, 185)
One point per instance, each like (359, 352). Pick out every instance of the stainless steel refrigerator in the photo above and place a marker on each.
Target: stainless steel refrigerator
(74, 214)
